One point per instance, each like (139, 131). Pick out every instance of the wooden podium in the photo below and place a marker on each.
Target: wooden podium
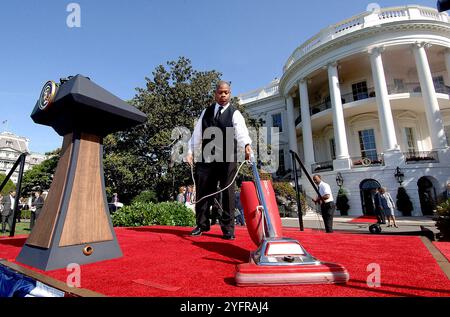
(74, 225)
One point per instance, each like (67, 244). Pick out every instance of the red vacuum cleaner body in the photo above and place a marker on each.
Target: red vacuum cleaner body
(278, 260)
(254, 216)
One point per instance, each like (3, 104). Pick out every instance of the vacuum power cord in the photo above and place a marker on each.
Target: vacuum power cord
(213, 194)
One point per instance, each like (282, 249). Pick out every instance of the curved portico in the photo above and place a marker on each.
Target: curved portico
(369, 36)
(369, 94)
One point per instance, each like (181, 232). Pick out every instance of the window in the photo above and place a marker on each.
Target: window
(447, 133)
(276, 122)
(332, 149)
(399, 85)
(360, 91)
(367, 144)
(439, 85)
(410, 140)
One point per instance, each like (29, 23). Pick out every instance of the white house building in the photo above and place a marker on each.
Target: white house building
(11, 146)
(363, 97)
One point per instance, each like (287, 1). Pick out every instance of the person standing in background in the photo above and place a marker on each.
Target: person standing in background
(181, 198)
(36, 205)
(327, 206)
(378, 209)
(388, 206)
(7, 212)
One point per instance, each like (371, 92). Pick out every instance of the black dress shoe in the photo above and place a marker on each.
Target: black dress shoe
(196, 232)
(228, 237)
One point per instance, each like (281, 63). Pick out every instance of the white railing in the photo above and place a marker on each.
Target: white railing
(393, 14)
(257, 94)
(365, 20)
(350, 24)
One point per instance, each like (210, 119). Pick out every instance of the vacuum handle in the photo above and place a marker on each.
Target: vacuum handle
(262, 200)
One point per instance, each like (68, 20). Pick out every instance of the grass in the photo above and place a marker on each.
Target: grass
(21, 228)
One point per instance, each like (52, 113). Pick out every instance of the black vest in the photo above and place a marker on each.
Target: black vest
(225, 148)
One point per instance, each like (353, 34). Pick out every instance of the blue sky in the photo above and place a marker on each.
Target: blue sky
(121, 42)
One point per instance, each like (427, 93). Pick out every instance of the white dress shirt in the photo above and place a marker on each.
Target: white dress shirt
(13, 200)
(325, 189)
(240, 130)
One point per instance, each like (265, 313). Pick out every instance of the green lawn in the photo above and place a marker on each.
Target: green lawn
(21, 228)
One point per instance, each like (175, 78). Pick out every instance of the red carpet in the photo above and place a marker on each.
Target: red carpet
(444, 247)
(166, 262)
(364, 219)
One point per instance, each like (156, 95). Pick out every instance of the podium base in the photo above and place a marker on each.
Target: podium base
(60, 257)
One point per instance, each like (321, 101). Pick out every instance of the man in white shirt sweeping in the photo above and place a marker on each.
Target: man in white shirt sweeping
(327, 206)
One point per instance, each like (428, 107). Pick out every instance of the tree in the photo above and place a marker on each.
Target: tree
(41, 175)
(9, 185)
(140, 159)
(443, 220)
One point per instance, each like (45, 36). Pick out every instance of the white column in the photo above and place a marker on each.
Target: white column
(432, 111)
(447, 64)
(308, 144)
(340, 137)
(292, 133)
(384, 105)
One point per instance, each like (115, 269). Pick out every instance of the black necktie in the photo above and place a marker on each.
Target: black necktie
(219, 112)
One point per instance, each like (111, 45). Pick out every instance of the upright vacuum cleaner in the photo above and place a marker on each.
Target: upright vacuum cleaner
(278, 260)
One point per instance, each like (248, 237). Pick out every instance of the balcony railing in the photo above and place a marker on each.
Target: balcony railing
(417, 157)
(415, 88)
(442, 89)
(261, 93)
(319, 107)
(352, 96)
(362, 21)
(360, 161)
(322, 166)
(404, 88)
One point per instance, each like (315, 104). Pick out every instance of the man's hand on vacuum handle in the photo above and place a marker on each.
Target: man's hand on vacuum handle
(190, 159)
(248, 152)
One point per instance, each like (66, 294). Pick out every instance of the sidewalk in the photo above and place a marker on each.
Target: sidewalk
(407, 225)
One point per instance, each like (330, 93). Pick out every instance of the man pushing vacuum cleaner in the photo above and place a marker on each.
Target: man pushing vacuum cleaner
(277, 260)
(216, 159)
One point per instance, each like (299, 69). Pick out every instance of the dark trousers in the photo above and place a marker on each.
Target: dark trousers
(327, 210)
(207, 175)
(32, 219)
(7, 219)
(381, 218)
(19, 214)
(240, 220)
(216, 211)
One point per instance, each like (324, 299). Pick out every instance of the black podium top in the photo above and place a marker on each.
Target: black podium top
(80, 105)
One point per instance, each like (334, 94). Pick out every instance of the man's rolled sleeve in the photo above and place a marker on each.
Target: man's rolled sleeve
(240, 128)
(196, 140)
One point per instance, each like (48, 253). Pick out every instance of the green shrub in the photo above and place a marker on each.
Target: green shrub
(150, 214)
(342, 202)
(25, 214)
(285, 190)
(147, 196)
(443, 220)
